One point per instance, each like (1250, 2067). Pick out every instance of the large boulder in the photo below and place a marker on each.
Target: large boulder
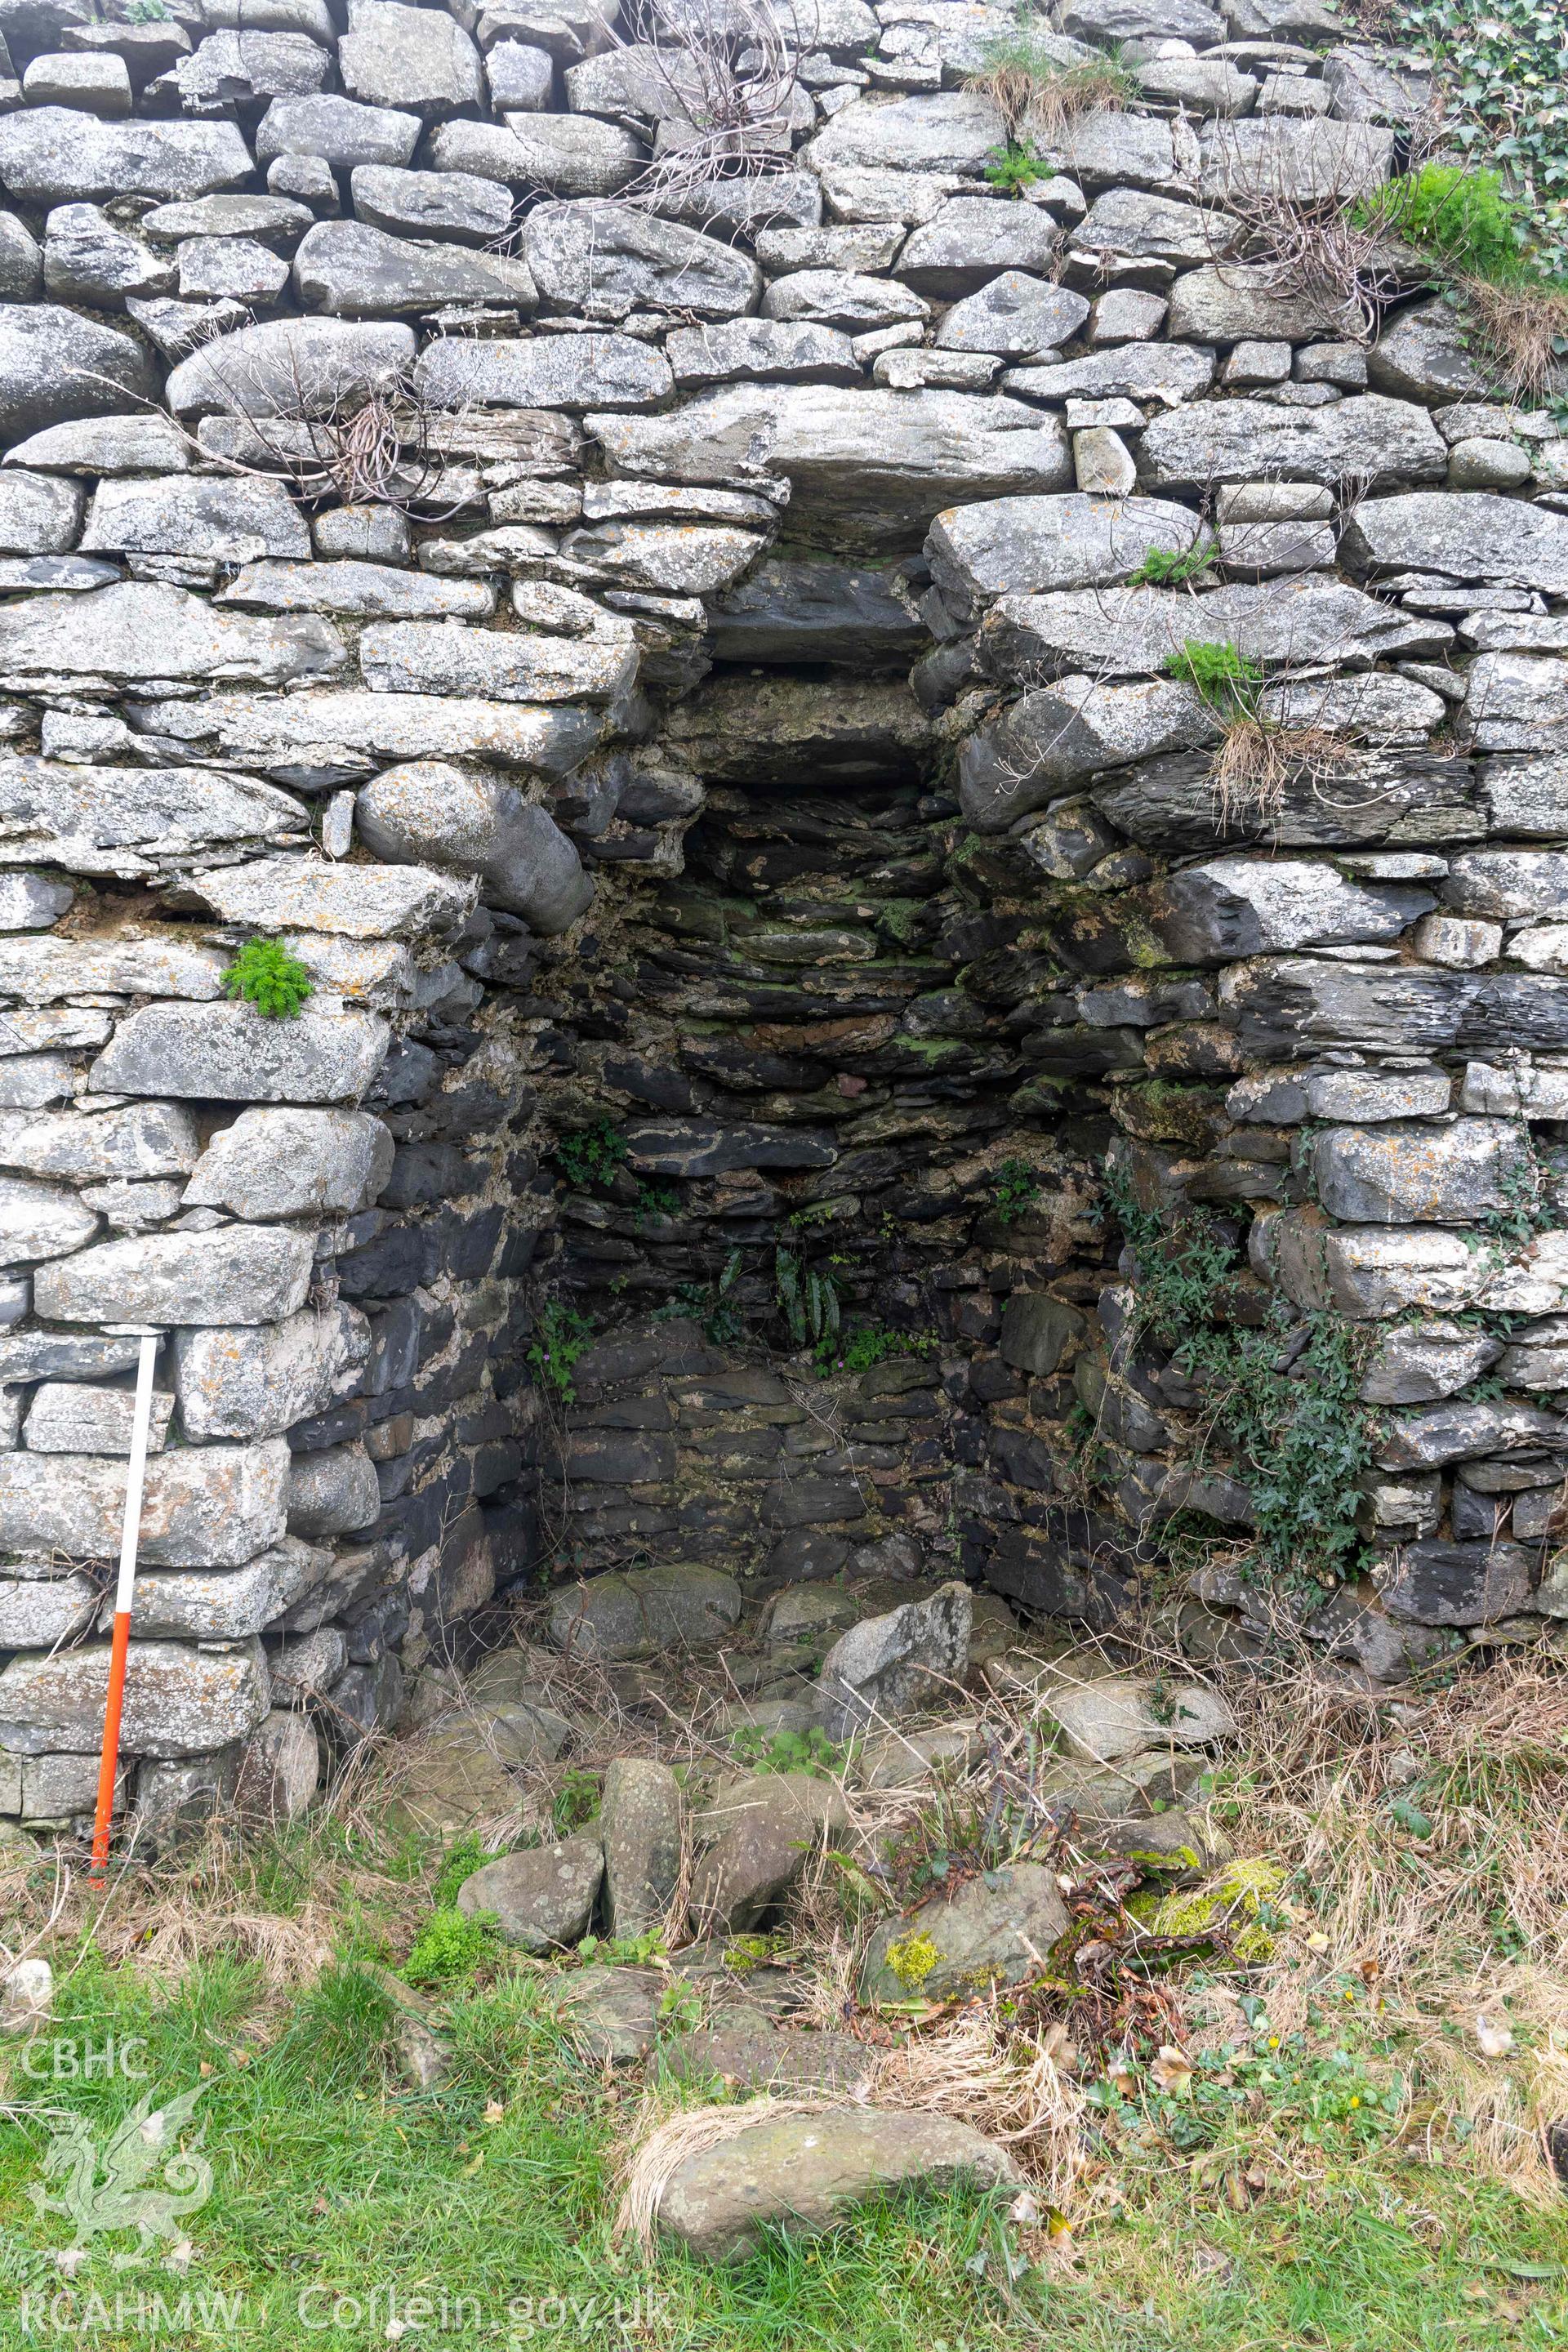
(429, 813)
(887, 1666)
(764, 1827)
(805, 2172)
(543, 1897)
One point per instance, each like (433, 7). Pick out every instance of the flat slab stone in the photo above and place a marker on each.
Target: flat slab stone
(141, 631)
(1385, 441)
(1023, 545)
(56, 155)
(228, 1053)
(338, 737)
(204, 1506)
(179, 1701)
(1468, 534)
(868, 469)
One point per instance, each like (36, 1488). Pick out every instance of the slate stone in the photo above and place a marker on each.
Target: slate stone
(100, 820)
(55, 365)
(1037, 1331)
(1124, 631)
(335, 737)
(1132, 370)
(457, 205)
(354, 271)
(1412, 1173)
(791, 611)
(639, 1829)
(1228, 907)
(1015, 316)
(1385, 441)
(1233, 302)
(415, 657)
(1437, 1583)
(292, 365)
(1302, 161)
(1423, 1363)
(757, 351)
(896, 1665)
(332, 1492)
(702, 1147)
(87, 259)
(366, 591)
(844, 298)
(38, 514)
(1056, 738)
(54, 154)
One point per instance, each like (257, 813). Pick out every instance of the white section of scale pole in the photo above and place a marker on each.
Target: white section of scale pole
(140, 1425)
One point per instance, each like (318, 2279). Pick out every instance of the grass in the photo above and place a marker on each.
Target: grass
(1037, 98)
(1324, 2157)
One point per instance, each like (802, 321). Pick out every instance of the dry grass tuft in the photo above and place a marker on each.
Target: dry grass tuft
(1255, 762)
(1470, 1922)
(1008, 2082)
(1037, 98)
(1524, 329)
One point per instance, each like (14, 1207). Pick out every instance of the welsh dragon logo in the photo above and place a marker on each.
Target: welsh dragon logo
(116, 2186)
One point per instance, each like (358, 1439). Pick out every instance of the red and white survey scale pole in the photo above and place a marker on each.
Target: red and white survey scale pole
(125, 1588)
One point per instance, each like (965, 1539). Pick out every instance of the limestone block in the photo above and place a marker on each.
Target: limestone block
(601, 261)
(38, 514)
(292, 365)
(1388, 441)
(1022, 545)
(140, 1141)
(68, 1417)
(757, 351)
(361, 591)
(1228, 907)
(1469, 535)
(236, 1273)
(227, 1604)
(1410, 1172)
(340, 129)
(413, 658)
(396, 57)
(40, 1221)
(457, 205)
(364, 902)
(1016, 316)
(238, 1381)
(178, 1701)
(136, 443)
(204, 1507)
(354, 271)
(229, 1053)
(54, 154)
(335, 737)
(230, 521)
(331, 1493)
(1371, 1271)
(141, 629)
(571, 156)
(916, 1656)
(293, 1164)
(37, 1611)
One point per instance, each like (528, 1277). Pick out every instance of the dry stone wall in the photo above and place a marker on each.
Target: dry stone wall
(675, 658)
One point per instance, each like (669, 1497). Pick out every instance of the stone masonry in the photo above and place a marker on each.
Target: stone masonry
(665, 653)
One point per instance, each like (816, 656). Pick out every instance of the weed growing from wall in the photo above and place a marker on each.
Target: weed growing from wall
(264, 974)
(560, 1334)
(1284, 1398)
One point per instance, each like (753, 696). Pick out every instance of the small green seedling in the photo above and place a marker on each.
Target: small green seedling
(1173, 567)
(1227, 679)
(264, 974)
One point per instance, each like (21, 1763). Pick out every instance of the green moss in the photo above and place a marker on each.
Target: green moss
(912, 1959)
